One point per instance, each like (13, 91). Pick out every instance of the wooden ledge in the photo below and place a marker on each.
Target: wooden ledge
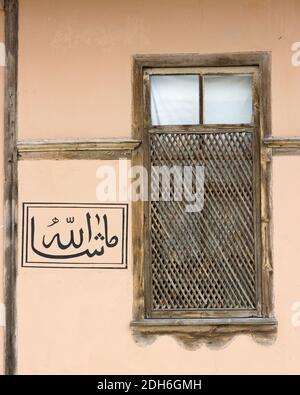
(104, 148)
(283, 145)
(205, 326)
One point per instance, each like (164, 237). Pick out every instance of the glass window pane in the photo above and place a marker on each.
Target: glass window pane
(174, 99)
(228, 99)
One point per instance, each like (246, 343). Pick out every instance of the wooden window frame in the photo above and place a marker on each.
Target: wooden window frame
(263, 321)
(199, 128)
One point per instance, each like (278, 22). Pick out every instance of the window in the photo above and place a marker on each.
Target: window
(209, 266)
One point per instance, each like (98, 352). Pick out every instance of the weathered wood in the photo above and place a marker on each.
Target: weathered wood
(77, 149)
(142, 129)
(75, 155)
(266, 181)
(170, 323)
(201, 99)
(204, 313)
(147, 208)
(283, 145)
(104, 144)
(256, 58)
(201, 70)
(197, 239)
(257, 188)
(10, 182)
(199, 128)
(214, 333)
(138, 228)
(205, 130)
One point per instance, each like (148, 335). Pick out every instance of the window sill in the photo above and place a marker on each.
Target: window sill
(206, 330)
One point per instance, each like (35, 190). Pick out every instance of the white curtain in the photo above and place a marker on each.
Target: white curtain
(175, 99)
(228, 99)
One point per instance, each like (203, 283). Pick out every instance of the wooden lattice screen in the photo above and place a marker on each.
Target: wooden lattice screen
(205, 260)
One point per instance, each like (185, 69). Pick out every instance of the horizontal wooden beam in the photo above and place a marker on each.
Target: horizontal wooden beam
(189, 331)
(283, 145)
(114, 148)
(103, 148)
(201, 60)
(149, 322)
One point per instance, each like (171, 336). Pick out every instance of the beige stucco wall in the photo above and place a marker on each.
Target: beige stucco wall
(75, 58)
(77, 321)
(75, 81)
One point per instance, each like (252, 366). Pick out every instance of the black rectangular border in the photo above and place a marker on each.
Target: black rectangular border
(121, 206)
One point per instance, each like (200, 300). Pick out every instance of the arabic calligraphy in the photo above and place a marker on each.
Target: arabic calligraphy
(109, 242)
(57, 235)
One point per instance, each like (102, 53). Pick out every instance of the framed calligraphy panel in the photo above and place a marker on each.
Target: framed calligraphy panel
(75, 235)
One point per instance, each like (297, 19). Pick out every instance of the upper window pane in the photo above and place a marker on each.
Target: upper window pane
(227, 99)
(174, 99)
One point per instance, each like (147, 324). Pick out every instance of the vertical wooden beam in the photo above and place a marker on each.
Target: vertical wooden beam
(201, 100)
(138, 220)
(10, 181)
(266, 188)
